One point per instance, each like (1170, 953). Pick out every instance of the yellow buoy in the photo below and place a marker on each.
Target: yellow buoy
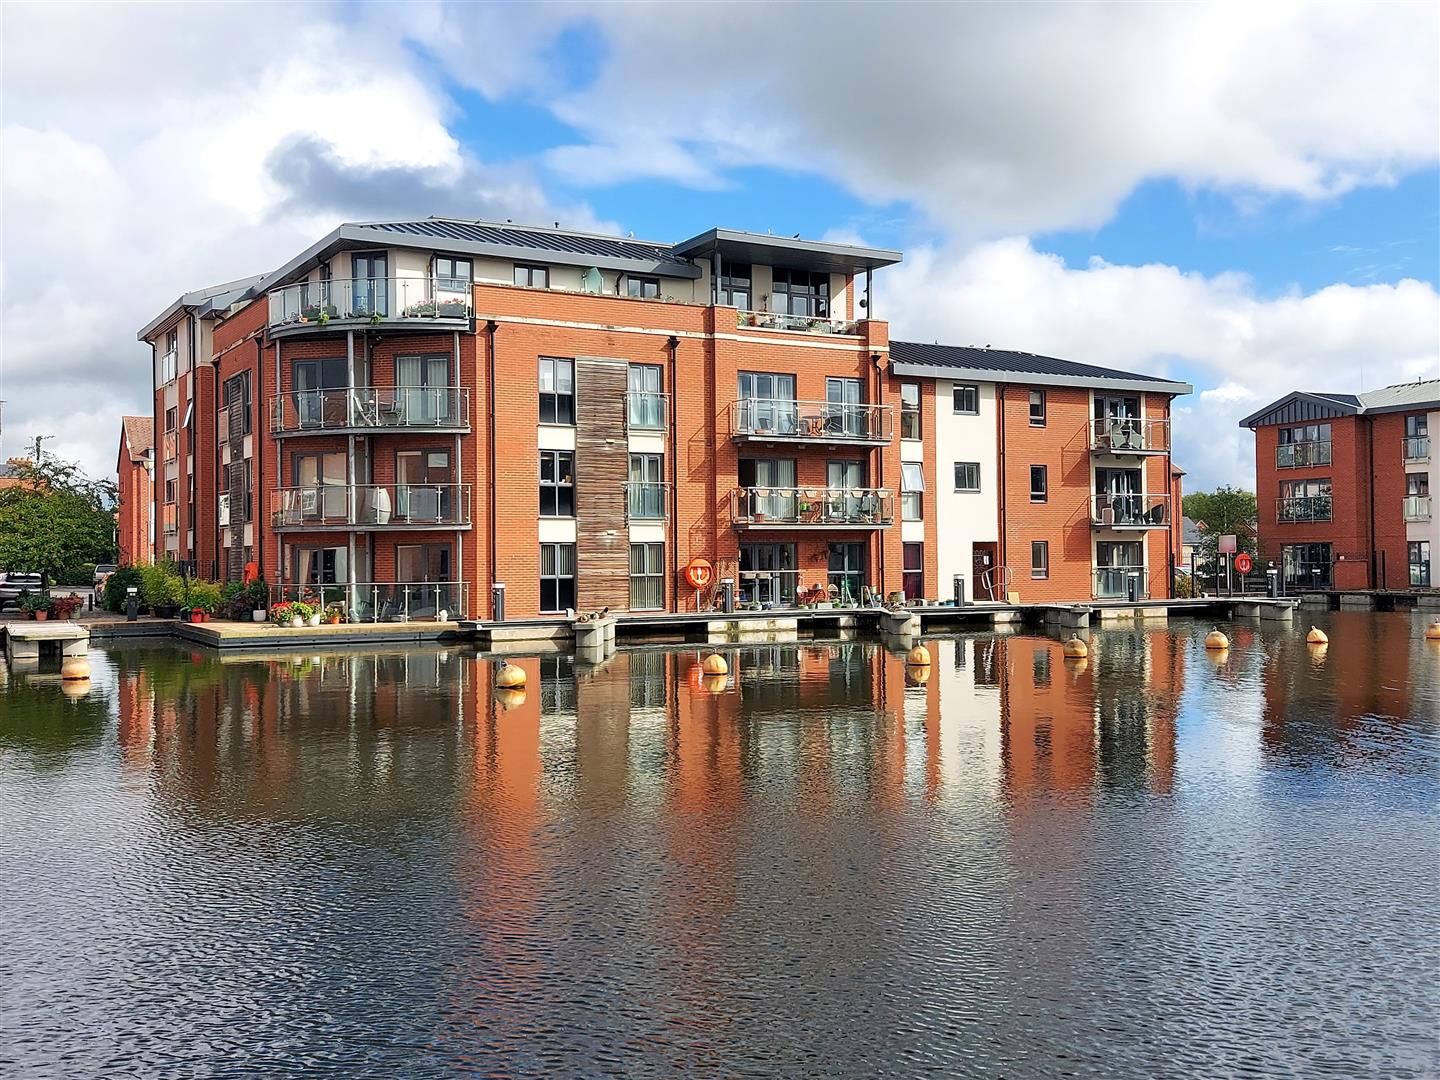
(1216, 640)
(1317, 636)
(509, 677)
(715, 664)
(714, 684)
(1075, 649)
(919, 657)
(509, 699)
(1317, 650)
(919, 674)
(75, 667)
(1432, 632)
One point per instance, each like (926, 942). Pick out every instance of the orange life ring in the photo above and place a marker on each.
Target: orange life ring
(699, 573)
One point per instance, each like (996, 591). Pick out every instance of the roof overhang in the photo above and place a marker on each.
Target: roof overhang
(1031, 378)
(814, 255)
(1339, 408)
(206, 303)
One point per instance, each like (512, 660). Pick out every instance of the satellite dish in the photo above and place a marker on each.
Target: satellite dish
(590, 281)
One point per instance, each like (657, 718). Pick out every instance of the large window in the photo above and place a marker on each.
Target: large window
(1037, 408)
(423, 489)
(1306, 565)
(248, 491)
(845, 414)
(768, 573)
(422, 389)
(1302, 445)
(735, 285)
(647, 577)
(913, 577)
(910, 411)
(645, 398)
(766, 403)
(1040, 559)
(1417, 437)
(557, 577)
(645, 493)
(534, 277)
(422, 562)
(647, 288)
(1303, 500)
(557, 390)
(557, 483)
(967, 399)
(912, 491)
(967, 476)
(452, 274)
(1039, 484)
(801, 292)
(369, 283)
(847, 572)
(1419, 551)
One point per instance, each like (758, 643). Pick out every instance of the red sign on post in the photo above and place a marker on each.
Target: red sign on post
(1244, 563)
(699, 573)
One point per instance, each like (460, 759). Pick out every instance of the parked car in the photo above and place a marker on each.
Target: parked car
(103, 571)
(12, 585)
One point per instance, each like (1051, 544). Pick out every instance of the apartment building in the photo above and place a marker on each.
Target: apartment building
(134, 469)
(1343, 483)
(418, 411)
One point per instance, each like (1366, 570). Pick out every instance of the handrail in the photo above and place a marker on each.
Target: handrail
(377, 299)
(1417, 508)
(1294, 508)
(645, 501)
(824, 421)
(1130, 510)
(811, 324)
(1301, 455)
(1416, 448)
(1129, 434)
(382, 601)
(370, 504)
(646, 410)
(803, 506)
(373, 407)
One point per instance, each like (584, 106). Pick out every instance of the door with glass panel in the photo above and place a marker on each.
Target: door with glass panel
(422, 486)
(1118, 422)
(315, 395)
(320, 494)
(645, 402)
(1114, 561)
(768, 574)
(847, 572)
(422, 573)
(369, 284)
(645, 494)
(845, 500)
(766, 403)
(422, 390)
(1121, 500)
(843, 413)
(769, 485)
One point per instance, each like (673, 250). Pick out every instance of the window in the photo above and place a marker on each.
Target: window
(1040, 559)
(647, 288)
(534, 277)
(1039, 484)
(846, 572)
(910, 410)
(645, 493)
(1306, 565)
(967, 399)
(1419, 551)
(766, 403)
(171, 490)
(557, 391)
(801, 292)
(1302, 445)
(172, 417)
(369, 284)
(170, 358)
(1040, 666)
(422, 562)
(1037, 408)
(967, 476)
(423, 491)
(913, 575)
(1416, 427)
(248, 492)
(1417, 437)
(1303, 500)
(735, 285)
(645, 400)
(912, 488)
(557, 483)
(557, 577)
(451, 274)
(647, 577)
(1417, 483)
(845, 412)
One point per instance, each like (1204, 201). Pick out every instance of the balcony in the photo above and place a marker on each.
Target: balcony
(1126, 511)
(371, 506)
(646, 411)
(370, 409)
(383, 601)
(1416, 448)
(1129, 435)
(804, 324)
(1302, 455)
(411, 302)
(1417, 508)
(645, 502)
(760, 508)
(1302, 508)
(772, 420)
(1113, 582)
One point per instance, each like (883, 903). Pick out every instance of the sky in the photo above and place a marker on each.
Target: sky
(1243, 196)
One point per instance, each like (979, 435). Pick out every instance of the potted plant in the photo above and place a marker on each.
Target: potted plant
(335, 614)
(34, 605)
(316, 616)
(64, 607)
(282, 613)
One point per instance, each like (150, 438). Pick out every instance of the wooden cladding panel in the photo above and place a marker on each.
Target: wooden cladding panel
(235, 488)
(602, 465)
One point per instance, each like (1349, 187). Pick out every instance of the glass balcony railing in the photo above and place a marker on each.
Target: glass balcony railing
(1113, 582)
(1129, 435)
(812, 507)
(644, 502)
(1302, 508)
(1301, 455)
(318, 304)
(1129, 511)
(646, 411)
(809, 421)
(1417, 448)
(808, 324)
(370, 506)
(382, 601)
(1417, 508)
(371, 408)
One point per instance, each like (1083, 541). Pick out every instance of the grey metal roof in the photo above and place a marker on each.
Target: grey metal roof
(1301, 406)
(1005, 365)
(1421, 394)
(541, 239)
(791, 251)
(204, 301)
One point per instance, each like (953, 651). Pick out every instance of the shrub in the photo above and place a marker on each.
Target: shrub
(32, 602)
(241, 600)
(125, 578)
(283, 612)
(161, 586)
(64, 607)
(204, 596)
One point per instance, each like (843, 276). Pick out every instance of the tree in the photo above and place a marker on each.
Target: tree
(1224, 511)
(55, 519)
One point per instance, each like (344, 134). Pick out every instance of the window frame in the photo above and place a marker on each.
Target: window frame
(650, 577)
(446, 282)
(1040, 567)
(1043, 491)
(555, 487)
(910, 412)
(557, 578)
(1037, 397)
(912, 578)
(557, 397)
(530, 270)
(969, 465)
(973, 389)
(912, 498)
(644, 282)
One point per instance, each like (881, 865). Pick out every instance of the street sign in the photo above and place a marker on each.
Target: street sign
(1227, 544)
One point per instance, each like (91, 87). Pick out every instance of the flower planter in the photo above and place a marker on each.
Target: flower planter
(334, 620)
(259, 614)
(40, 616)
(296, 621)
(314, 620)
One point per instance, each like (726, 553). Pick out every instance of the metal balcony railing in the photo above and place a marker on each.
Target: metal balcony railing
(1417, 448)
(645, 502)
(371, 506)
(1129, 435)
(371, 408)
(645, 411)
(1113, 582)
(812, 507)
(317, 304)
(1417, 508)
(1301, 455)
(1129, 511)
(810, 324)
(382, 601)
(1302, 508)
(809, 421)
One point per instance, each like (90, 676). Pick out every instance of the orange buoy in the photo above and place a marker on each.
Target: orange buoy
(1432, 632)
(1316, 636)
(919, 657)
(1216, 640)
(509, 677)
(919, 674)
(715, 664)
(714, 684)
(75, 667)
(1076, 649)
(509, 699)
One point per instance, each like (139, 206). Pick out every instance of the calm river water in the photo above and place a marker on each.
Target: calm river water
(1154, 863)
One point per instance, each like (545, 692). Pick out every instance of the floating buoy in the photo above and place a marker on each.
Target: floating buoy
(1077, 665)
(75, 688)
(1317, 637)
(919, 657)
(1432, 632)
(714, 684)
(919, 674)
(75, 667)
(1216, 640)
(509, 677)
(1318, 651)
(1075, 649)
(715, 664)
(509, 699)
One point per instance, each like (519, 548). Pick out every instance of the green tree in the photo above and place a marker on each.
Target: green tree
(55, 519)
(1224, 511)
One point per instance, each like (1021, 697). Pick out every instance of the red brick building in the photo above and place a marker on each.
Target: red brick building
(414, 412)
(1343, 486)
(133, 468)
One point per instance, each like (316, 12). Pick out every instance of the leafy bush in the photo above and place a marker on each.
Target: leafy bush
(76, 575)
(32, 602)
(205, 596)
(283, 612)
(161, 586)
(240, 600)
(64, 607)
(127, 577)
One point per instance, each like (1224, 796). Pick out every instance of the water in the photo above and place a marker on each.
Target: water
(1156, 863)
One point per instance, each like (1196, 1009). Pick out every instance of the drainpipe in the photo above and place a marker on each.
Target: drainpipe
(279, 482)
(674, 344)
(1375, 582)
(880, 458)
(1174, 510)
(195, 458)
(1002, 557)
(154, 393)
(257, 476)
(492, 326)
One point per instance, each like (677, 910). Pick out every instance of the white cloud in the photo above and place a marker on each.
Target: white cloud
(1240, 349)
